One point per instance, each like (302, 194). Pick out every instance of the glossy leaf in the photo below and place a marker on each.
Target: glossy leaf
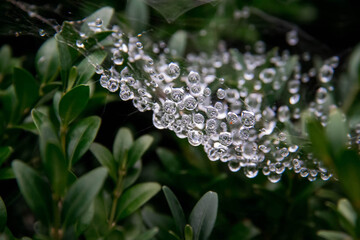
(345, 209)
(177, 43)
(3, 215)
(85, 220)
(137, 13)
(73, 73)
(80, 137)
(66, 45)
(73, 103)
(35, 191)
(203, 216)
(105, 158)
(189, 234)
(336, 131)
(87, 66)
(318, 140)
(134, 197)
(47, 60)
(149, 234)
(176, 209)
(104, 14)
(56, 169)
(122, 144)
(81, 195)
(333, 235)
(5, 153)
(348, 168)
(26, 88)
(138, 149)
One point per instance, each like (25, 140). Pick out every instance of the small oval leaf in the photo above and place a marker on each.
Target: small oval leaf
(134, 197)
(203, 216)
(80, 137)
(138, 149)
(81, 195)
(73, 103)
(105, 158)
(123, 141)
(176, 209)
(35, 190)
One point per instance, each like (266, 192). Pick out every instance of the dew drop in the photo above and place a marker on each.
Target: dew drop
(292, 38)
(321, 95)
(42, 32)
(326, 73)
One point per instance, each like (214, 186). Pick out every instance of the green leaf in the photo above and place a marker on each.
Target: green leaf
(318, 139)
(177, 43)
(203, 216)
(132, 174)
(73, 73)
(123, 141)
(169, 160)
(189, 234)
(87, 66)
(56, 169)
(344, 207)
(35, 191)
(47, 61)
(6, 173)
(5, 56)
(105, 158)
(336, 131)
(26, 88)
(137, 13)
(80, 136)
(138, 149)
(105, 14)
(348, 168)
(3, 215)
(134, 197)
(5, 153)
(73, 103)
(85, 220)
(68, 52)
(333, 235)
(148, 235)
(81, 195)
(176, 209)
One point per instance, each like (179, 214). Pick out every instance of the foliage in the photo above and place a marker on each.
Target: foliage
(69, 181)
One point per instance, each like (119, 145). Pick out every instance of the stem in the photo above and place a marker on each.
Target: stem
(63, 131)
(57, 232)
(118, 191)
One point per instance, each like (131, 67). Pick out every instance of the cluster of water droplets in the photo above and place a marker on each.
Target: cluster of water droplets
(240, 118)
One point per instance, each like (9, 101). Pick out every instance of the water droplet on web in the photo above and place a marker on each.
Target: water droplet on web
(234, 165)
(274, 177)
(294, 99)
(99, 69)
(195, 137)
(267, 75)
(251, 170)
(292, 38)
(173, 70)
(98, 22)
(193, 78)
(42, 32)
(139, 45)
(247, 119)
(293, 86)
(221, 93)
(321, 95)
(326, 73)
(80, 44)
(283, 113)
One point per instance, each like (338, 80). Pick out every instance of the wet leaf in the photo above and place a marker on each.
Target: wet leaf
(86, 68)
(104, 14)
